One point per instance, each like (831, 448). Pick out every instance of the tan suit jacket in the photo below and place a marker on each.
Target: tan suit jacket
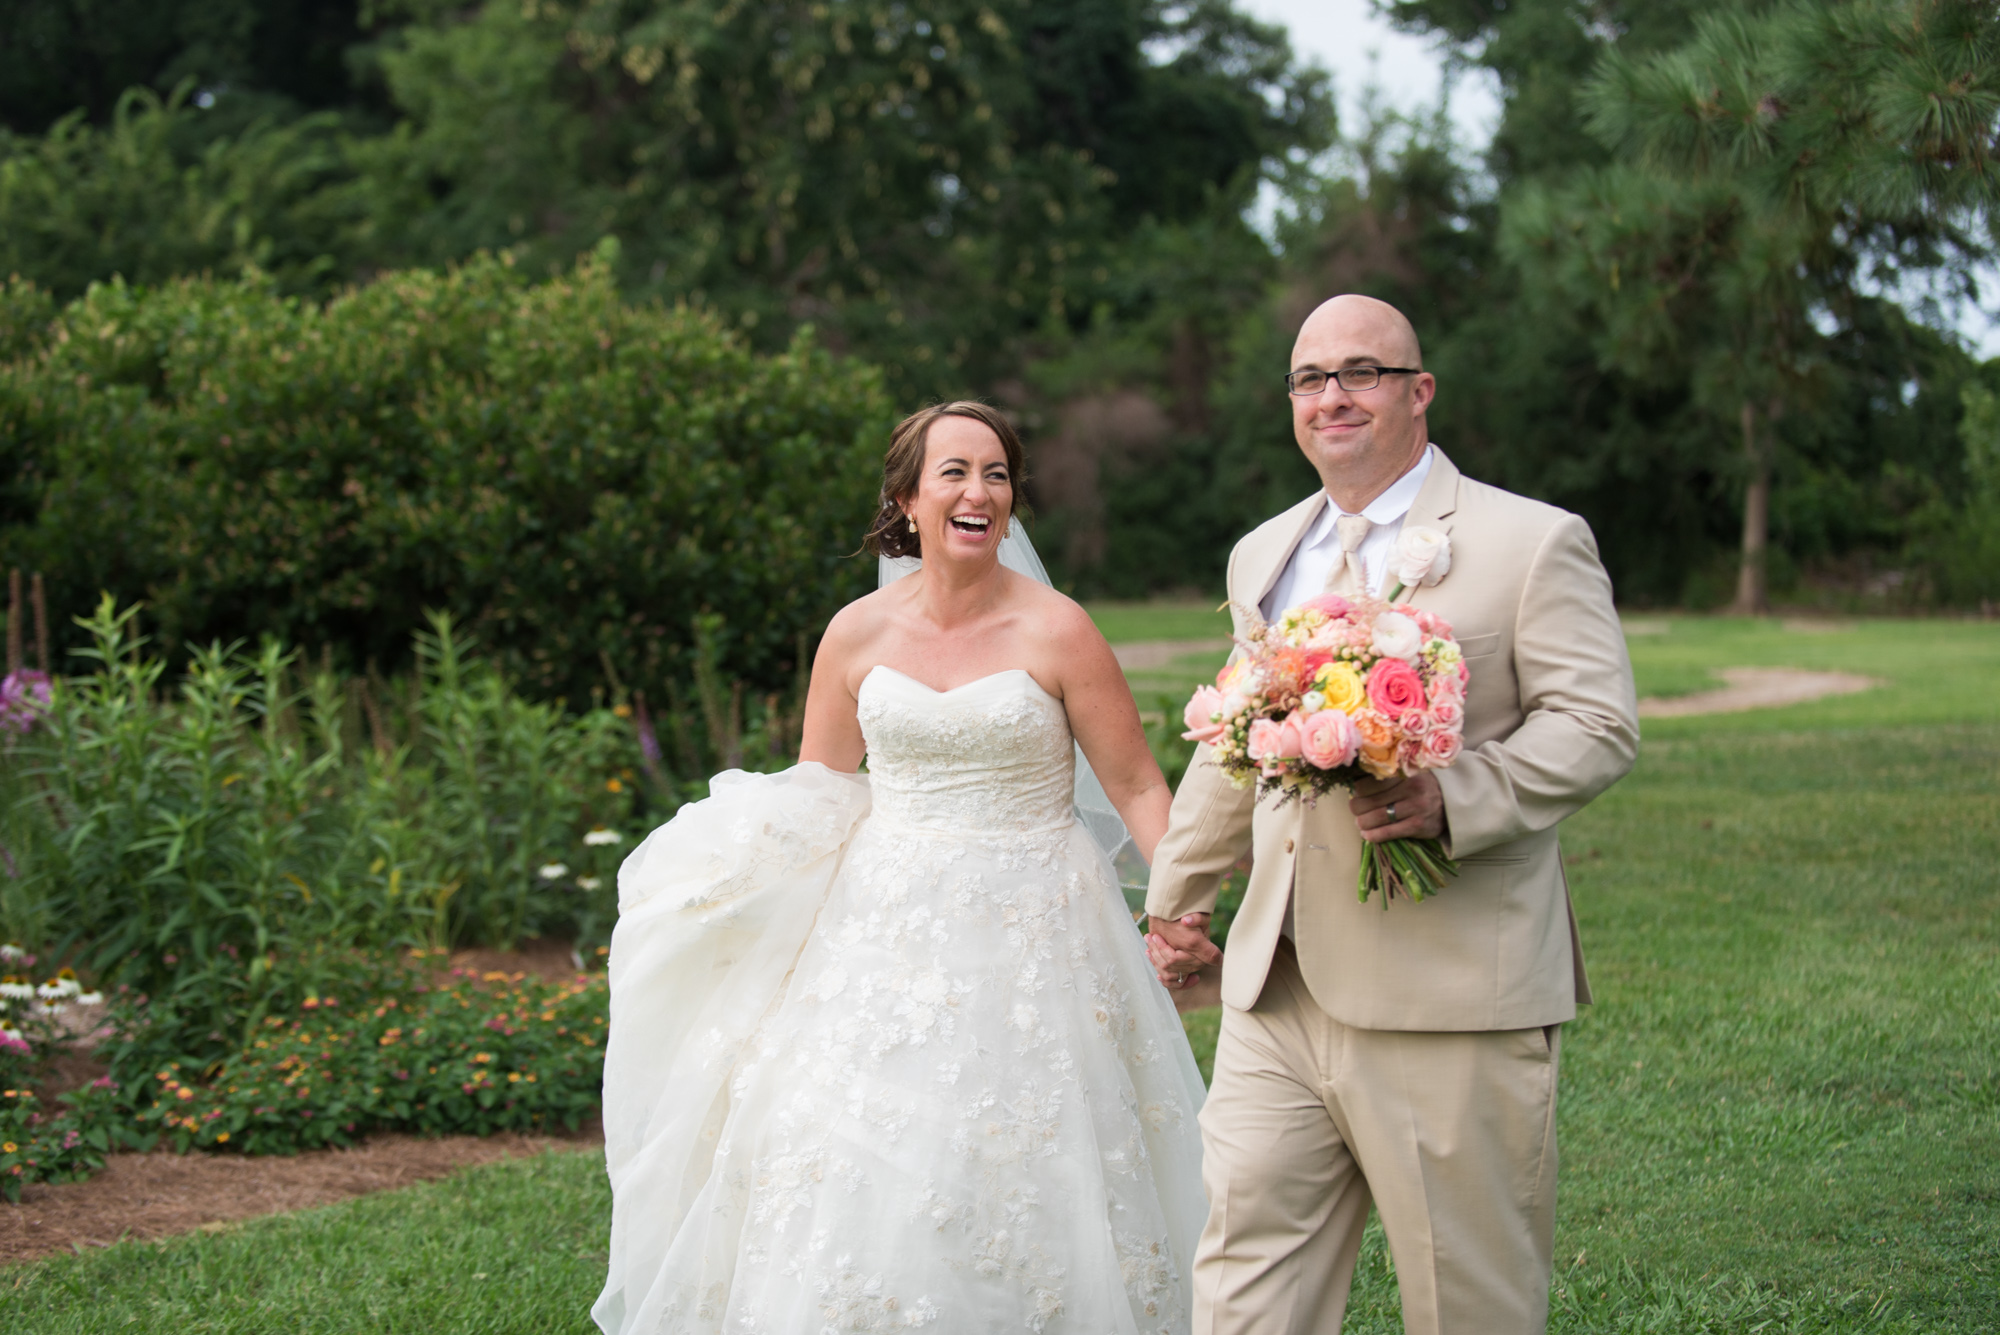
(1551, 722)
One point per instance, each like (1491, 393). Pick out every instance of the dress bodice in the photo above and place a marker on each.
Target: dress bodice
(991, 756)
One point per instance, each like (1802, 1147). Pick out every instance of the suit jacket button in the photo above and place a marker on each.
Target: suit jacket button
(1288, 845)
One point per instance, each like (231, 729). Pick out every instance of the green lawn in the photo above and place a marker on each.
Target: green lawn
(1783, 1114)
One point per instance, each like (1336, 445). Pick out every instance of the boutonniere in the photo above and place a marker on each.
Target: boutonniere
(1423, 557)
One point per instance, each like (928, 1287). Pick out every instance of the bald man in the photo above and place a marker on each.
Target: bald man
(1404, 1058)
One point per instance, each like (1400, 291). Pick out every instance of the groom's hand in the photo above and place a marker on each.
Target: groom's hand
(1418, 801)
(1180, 949)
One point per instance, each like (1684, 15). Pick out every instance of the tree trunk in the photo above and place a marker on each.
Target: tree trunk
(1752, 590)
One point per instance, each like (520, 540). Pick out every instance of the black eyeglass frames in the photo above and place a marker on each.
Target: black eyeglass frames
(1353, 379)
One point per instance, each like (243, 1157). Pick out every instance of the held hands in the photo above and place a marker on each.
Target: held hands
(1418, 803)
(1179, 949)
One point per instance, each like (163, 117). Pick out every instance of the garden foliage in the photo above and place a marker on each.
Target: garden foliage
(474, 1055)
(574, 478)
(243, 838)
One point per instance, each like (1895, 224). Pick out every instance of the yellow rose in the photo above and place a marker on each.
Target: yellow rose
(1343, 688)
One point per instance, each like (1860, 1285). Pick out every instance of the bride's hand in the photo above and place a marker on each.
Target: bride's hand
(1180, 949)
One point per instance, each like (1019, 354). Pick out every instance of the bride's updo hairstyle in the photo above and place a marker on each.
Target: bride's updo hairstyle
(903, 471)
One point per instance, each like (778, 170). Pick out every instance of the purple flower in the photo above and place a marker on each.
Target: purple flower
(24, 699)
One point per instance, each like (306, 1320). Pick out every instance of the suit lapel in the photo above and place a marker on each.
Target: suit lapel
(1263, 566)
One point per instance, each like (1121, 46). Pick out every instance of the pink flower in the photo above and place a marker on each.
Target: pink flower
(1331, 604)
(1447, 689)
(1273, 740)
(1414, 724)
(1447, 715)
(1329, 739)
(1395, 688)
(1442, 747)
(1200, 716)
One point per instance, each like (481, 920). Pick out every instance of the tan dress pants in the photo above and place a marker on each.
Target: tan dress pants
(1451, 1135)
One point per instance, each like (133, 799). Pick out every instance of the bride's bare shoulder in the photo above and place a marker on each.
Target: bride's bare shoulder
(1055, 615)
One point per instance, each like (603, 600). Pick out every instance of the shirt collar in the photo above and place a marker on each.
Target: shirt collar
(1391, 506)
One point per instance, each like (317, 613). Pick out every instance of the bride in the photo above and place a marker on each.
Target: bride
(885, 1051)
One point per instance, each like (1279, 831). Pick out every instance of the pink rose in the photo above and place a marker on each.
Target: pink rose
(1415, 723)
(1447, 715)
(1273, 740)
(1200, 716)
(1447, 689)
(1442, 747)
(1410, 756)
(1395, 688)
(1330, 604)
(1329, 739)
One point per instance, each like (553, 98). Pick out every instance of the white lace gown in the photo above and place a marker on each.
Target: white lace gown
(886, 1053)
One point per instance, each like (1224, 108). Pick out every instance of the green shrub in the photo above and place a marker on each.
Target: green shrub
(242, 844)
(575, 479)
(1958, 537)
(474, 1056)
(65, 1145)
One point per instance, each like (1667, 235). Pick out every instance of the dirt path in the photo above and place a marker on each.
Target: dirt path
(1757, 688)
(152, 1195)
(1149, 655)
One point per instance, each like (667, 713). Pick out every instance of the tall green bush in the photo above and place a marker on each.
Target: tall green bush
(232, 842)
(576, 479)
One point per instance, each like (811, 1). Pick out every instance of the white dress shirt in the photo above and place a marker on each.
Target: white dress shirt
(1318, 552)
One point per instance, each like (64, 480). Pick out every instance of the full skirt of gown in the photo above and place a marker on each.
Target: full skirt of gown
(886, 1053)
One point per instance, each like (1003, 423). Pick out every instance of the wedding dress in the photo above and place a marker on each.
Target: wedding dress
(886, 1053)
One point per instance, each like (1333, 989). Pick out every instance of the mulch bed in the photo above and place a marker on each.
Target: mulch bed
(155, 1195)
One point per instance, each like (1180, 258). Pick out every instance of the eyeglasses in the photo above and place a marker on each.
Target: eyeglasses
(1353, 379)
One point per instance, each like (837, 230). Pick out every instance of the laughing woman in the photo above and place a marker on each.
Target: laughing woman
(886, 1052)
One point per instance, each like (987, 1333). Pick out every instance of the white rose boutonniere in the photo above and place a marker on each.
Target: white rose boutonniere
(1423, 556)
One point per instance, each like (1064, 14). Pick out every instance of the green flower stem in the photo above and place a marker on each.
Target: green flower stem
(1415, 867)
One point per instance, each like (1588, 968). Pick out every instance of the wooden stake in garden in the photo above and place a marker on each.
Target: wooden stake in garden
(14, 621)
(40, 598)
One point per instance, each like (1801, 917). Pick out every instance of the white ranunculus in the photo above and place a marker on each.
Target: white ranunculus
(1423, 555)
(1397, 636)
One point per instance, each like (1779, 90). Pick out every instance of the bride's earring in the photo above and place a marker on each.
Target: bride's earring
(913, 523)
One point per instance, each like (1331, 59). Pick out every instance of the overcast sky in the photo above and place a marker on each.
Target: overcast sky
(1357, 45)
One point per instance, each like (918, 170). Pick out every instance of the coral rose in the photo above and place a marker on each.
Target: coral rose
(1201, 716)
(1394, 687)
(1329, 739)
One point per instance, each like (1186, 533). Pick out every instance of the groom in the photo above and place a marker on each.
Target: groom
(1404, 1057)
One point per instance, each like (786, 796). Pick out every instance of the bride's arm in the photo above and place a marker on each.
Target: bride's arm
(1105, 719)
(832, 733)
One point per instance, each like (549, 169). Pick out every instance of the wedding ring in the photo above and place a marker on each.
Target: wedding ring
(1392, 813)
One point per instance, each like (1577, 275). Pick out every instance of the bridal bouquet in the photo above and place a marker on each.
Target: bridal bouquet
(1338, 689)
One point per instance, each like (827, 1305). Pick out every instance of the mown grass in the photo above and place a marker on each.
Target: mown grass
(1783, 1114)
(513, 1248)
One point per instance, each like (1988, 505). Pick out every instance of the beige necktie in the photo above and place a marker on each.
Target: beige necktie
(1349, 576)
